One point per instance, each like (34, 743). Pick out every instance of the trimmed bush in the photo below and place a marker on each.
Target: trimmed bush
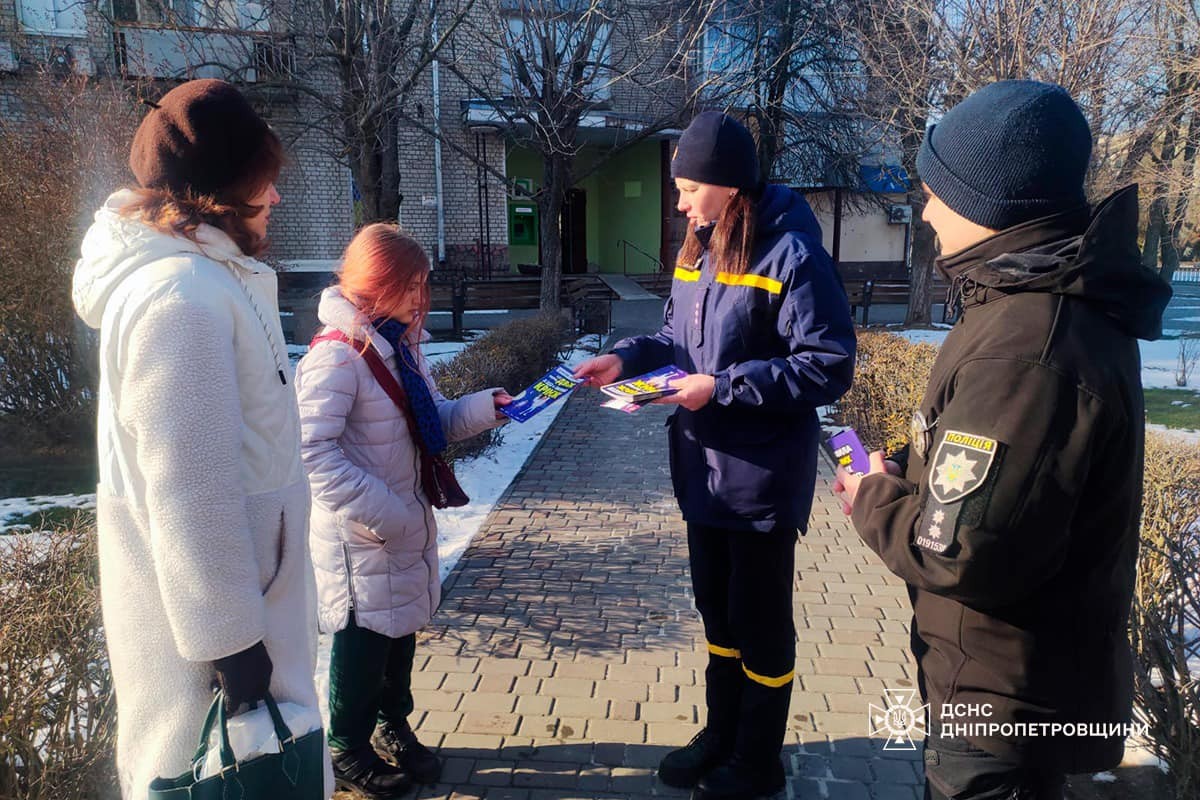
(1165, 625)
(511, 356)
(57, 708)
(890, 376)
(65, 142)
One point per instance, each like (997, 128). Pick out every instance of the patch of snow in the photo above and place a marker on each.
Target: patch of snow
(1138, 754)
(13, 507)
(924, 336)
(439, 352)
(1160, 359)
(1192, 437)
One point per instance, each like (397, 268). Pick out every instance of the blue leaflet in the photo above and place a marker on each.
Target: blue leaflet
(545, 391)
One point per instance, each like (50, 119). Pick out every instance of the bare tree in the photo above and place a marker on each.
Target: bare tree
(556, 67)
(1163, 154)
(790, 67)
(345, 70)
(924, 56)
(897, 46)
(367, 58)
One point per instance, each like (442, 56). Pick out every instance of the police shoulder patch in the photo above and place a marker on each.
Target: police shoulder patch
(960, 465)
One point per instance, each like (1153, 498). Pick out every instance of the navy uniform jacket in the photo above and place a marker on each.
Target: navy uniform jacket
(780, 341)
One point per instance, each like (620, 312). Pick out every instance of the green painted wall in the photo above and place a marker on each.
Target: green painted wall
(624, 201)
(523, 163)
(630, 191)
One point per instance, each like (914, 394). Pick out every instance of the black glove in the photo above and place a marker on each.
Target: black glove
(245, 677)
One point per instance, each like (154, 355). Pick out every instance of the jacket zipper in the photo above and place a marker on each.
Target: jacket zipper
(349, 574)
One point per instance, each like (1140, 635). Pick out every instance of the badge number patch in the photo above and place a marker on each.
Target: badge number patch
(960, 465)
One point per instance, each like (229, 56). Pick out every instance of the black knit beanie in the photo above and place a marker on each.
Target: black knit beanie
(202, 135)
(716, 148)
(1011, 152)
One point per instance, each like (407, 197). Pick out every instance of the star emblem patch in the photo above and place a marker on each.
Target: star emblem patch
(960, 466)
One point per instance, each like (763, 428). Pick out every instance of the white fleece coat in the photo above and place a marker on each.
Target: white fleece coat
(373, 534)
(202, 505)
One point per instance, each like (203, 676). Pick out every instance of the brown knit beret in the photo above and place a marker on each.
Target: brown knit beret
(203, 135)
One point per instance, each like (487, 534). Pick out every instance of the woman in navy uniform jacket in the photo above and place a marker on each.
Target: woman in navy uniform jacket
(760, 321)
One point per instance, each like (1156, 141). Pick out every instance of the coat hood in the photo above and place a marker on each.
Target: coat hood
(115, 247)
(1100, 265)
(781, 210)
(336, 311)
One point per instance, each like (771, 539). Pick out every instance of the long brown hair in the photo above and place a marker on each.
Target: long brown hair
(732, 242)
(182, 213)
(380, 264)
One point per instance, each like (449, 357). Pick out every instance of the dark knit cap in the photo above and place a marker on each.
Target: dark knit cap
(716, 148)
(1011, 152)
(202, 135)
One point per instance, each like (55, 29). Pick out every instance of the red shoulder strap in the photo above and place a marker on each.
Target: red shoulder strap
(382, 374)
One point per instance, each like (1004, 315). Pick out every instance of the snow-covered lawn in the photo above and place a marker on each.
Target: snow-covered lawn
(12, 508)
(1159, 359)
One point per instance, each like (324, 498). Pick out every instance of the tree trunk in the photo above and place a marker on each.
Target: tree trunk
(1154, 232)
(389, 170)
(923, 246)
(556, 182)
(1170, 257)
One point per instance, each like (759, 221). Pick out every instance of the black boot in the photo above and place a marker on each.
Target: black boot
(738, 779)
(399, 743)
(682, 768)
(364, 773)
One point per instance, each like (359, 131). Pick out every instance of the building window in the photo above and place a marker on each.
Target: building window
(527, 36)
(243, 15)
(56, 17)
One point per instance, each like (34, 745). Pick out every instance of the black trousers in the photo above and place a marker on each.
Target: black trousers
(742, 581)
(370, 682)
(955, 769)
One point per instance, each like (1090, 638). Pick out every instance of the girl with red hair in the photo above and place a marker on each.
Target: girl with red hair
(373, 534)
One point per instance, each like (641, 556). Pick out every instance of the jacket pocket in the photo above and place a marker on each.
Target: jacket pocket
(360, 533)
(408, 547)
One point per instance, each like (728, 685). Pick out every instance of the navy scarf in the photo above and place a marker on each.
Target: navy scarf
(429, 424)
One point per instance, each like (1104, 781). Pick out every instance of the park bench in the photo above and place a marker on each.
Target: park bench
(863, 293)
(588, 298)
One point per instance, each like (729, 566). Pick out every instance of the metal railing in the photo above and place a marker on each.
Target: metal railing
(625, 246)
(1187, 273)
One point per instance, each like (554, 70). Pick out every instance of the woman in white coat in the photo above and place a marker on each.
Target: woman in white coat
(202, 506)
(373, 534)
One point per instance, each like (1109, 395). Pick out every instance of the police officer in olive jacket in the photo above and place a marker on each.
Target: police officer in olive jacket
(1013, 516)
(758, 317)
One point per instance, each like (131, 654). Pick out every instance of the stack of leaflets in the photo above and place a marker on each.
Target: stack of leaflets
(542, 394)
(630, 395)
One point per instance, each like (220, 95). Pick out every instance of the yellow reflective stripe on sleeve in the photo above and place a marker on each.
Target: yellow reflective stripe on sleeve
(756, 281)
(726, 652)
(774, 683)
(685, 274)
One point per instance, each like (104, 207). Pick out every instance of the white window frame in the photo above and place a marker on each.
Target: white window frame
(50, 12)
(600, 89)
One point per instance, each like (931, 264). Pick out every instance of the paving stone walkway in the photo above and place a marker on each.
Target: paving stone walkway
(567, 657)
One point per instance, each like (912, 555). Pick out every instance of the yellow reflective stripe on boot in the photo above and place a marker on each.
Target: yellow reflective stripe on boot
(774, 683)
(726, 652)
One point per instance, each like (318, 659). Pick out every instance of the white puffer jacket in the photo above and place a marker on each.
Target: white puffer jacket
(373, 534)
(202, 503)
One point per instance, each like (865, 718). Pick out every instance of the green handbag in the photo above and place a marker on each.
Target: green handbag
(296, 772)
